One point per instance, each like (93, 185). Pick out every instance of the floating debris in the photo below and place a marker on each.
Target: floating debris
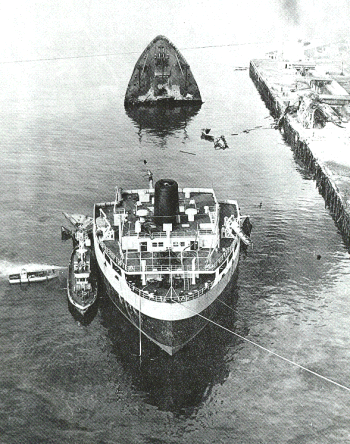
(187, 152)
(248, 130)
(220, 143)
(205, 135)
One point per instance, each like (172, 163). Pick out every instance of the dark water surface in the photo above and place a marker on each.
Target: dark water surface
(66, 143)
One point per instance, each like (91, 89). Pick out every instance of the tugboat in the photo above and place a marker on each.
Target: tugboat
(162, 76)
(165, 255)
(82, 280)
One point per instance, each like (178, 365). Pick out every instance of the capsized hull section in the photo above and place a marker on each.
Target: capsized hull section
(162, 76)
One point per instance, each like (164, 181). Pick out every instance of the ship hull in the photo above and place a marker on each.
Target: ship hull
(162, 76)
(82, 306)
(170, 335)
(82, 310)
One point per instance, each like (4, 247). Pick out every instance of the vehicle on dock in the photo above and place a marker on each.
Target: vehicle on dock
(33, 273)
(165, 255)
(162, 76)
(82, 284)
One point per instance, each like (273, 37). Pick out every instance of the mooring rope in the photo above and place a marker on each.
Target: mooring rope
(222, 302)
(267, 350)
(112, 54)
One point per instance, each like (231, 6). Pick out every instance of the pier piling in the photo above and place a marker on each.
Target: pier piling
(335, 199)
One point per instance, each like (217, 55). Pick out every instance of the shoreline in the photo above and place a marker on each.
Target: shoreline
(322, 150)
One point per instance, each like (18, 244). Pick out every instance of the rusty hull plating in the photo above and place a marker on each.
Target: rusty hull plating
(162, 76)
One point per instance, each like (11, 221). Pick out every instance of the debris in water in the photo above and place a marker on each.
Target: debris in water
(187, 152)
(205, 134)
(246, 131)
(220, 143)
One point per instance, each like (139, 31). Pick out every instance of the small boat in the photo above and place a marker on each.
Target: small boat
(33, 274)
(82, 280)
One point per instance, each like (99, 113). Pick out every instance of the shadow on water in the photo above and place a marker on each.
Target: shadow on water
(88, 317)
(179, 383)
(162, 121)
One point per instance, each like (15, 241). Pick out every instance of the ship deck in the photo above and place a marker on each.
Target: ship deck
(195, 241)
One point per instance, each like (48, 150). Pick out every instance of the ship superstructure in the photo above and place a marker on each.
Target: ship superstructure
(166, 254)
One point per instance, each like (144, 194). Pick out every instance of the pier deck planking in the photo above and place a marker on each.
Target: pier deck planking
(325, 151)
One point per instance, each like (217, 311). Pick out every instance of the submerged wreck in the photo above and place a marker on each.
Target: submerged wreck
(162, 76)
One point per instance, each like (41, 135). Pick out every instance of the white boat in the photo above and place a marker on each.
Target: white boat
(33, 274)
(165, 255)
(82, 280)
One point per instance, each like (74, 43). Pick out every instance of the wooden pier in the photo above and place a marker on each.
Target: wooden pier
(325, 151)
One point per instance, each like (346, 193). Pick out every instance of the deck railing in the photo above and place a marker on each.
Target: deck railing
(200, 262)
(224, 255)
(179, 297)
(157, 234)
